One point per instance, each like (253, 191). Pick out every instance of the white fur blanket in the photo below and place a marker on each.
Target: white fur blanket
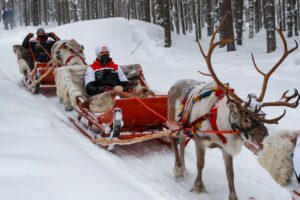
(70, 83)
(276, 156)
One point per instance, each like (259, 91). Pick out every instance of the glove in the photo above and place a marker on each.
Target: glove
(125, 85)
(30, 35)
(100, 89)
(127, 89)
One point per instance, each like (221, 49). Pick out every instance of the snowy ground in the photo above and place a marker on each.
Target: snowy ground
(44, 157)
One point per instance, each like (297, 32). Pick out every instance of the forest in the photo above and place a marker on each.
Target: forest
(244, 18)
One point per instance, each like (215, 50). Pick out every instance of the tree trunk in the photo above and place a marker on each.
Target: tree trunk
(167, 23)
(195, 20)
(199, 18)
(295, 17)
(257, 16)
(239, 4)
(74, 11)
(289, 14)
(147, 11)
(26, 15)
(251, 18)
(228, 25)
(35, 12)
(153, 10)
(208, 17)
(283, 15)
(182, 17)
(270, 25)
(176, 16)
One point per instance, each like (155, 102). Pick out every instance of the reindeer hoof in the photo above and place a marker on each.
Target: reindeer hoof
(198, 190)
(233, 197)
(68, 108)
(179, 171)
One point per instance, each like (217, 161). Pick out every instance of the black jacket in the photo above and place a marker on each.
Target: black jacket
(38, 48)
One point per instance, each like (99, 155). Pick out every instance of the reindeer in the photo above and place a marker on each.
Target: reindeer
(68, 61)
(214, 107)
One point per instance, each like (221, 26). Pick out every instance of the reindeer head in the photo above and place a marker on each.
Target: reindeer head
(246, 116)
(242, 119)
(68, 50)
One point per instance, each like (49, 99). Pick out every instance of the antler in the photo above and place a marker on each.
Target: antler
(207, 57)
(284, 100)
(268, 75)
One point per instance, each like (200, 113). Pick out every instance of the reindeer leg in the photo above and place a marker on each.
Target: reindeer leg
(230, 175)
(179, 167)
(200, 152)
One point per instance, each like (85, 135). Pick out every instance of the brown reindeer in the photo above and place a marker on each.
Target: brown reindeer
(223, 110)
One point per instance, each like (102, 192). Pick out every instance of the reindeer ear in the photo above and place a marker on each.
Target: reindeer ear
(233, 108)
(294, 136)
(230, 105)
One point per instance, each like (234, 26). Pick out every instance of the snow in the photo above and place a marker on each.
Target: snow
(43, 156)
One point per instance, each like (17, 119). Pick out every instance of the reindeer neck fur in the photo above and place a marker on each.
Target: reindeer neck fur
(234, 142)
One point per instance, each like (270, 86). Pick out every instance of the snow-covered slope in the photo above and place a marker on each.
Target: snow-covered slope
(43, 156)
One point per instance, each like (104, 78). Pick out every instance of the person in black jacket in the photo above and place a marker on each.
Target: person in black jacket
(41, 45)
(4, 14)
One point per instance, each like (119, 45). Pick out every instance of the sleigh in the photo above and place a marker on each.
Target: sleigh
(127, 121)
(37, 76)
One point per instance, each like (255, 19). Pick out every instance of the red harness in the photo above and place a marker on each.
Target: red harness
(212, 116)
(73, 55)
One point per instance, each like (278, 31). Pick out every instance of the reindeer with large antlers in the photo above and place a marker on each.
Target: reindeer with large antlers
(218, 117)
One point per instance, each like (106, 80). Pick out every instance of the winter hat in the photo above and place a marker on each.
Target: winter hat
(40, 30)
(100, 48)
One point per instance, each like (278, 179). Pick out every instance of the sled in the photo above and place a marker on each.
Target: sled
(37, 76)
(128, 121)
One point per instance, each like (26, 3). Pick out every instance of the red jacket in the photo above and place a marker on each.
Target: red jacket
(97, 65)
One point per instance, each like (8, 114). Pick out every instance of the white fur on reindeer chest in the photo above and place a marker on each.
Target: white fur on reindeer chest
(233, 143)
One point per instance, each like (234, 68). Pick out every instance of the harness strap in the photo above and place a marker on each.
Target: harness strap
(213, 119)
(72, 56)
(74, 53)
(31, 52)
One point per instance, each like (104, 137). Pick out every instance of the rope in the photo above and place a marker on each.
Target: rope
(45, 50)
(150, 109)
(186, 129)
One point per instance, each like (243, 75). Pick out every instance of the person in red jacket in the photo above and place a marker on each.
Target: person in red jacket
(104, 74)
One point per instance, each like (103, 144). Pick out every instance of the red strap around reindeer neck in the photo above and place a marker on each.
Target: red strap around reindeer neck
(213, 119)
(73, 54)
(214, 110)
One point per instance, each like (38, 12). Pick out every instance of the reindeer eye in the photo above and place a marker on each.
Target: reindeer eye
(247, 120)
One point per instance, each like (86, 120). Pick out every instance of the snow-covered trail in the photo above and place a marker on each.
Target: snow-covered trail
(43, 156)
